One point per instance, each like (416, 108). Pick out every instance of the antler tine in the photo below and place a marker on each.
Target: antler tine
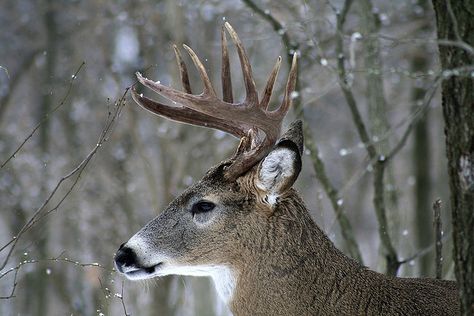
(202, 71)
(246, 158)
(195, 102)
(250, 88)
(267, 93)
(187, 115)
(183, 70)
(225, 74)
(290, 88)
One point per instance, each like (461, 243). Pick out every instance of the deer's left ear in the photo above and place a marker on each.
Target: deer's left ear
(280, 168)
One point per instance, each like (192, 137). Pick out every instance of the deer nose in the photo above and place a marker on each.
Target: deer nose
(125, 256)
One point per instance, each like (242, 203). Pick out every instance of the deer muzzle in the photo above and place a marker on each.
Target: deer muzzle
(127, 263)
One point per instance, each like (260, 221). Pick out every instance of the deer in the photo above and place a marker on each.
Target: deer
(246, 227)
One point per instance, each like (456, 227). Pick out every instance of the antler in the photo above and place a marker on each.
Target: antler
(246, 120)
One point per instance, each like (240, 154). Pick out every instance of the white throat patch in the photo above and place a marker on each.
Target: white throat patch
(223, 277)
(224, 281)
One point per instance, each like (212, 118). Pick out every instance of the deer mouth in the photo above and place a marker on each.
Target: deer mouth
(138, 273)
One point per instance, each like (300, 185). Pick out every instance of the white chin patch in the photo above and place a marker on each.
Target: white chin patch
(223, 277)
(139, 275)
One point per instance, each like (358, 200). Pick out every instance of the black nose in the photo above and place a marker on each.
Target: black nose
(125, 257)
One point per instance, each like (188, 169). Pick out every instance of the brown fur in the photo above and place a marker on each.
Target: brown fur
(296, 270)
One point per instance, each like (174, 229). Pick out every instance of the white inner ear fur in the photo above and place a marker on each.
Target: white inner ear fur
(274, 172)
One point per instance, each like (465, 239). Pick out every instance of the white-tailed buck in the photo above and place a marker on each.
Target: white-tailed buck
(245, 227)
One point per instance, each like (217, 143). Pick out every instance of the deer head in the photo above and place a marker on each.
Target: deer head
(212, 227)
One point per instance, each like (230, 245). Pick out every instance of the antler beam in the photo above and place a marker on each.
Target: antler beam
(244, 120)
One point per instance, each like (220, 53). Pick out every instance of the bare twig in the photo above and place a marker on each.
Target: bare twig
(15, 283)
(15, 79)
(104, 289)
(454, 21)
(441, 42)
(310, 143)
(374, 90)
(4, 69)
(379, 169)
(438, 238)
(381, 214)
(379, 162)
(46, 117)
(417, 116)
(412, 119)
(120, 297)
(342, 74)
(16, 270)
(277, 26)
(75, 173)
(423, 251)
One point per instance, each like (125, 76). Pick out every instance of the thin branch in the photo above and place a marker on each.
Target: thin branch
(342, 74)
(417, 255)
(277, 27)
(441, 42)
(5, 70)
(25, 65)
(423, 251)
(15, 283)
(379, 164)
(438, 238)
(120, 297)
(16, 270)
(454, 21)
(46, 117)
(39, 214)
(461, 71)
(310, 143)
(417, 116)
(334, 197)
(381, 214)
(104, 289)
(412, 119)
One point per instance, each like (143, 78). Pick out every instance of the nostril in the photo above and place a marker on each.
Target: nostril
(125, 257)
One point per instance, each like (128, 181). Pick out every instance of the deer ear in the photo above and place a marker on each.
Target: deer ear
(280, 168)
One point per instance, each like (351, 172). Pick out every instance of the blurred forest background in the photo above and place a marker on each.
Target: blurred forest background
(83, 168)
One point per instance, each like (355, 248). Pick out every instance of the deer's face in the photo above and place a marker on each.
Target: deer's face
(214, 225)
(194, 233)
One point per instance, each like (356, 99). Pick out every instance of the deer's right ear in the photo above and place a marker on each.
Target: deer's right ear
(280, 168)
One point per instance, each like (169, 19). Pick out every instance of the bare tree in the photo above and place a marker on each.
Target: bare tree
(143, 167)
(455, 21)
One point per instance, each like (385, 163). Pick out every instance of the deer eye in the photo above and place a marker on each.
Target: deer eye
(202, 207)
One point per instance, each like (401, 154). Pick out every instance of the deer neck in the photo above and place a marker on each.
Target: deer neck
(288, 270)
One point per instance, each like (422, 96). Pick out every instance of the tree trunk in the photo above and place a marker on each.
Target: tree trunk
(422, 164)
(455, 22)
(39, 282)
